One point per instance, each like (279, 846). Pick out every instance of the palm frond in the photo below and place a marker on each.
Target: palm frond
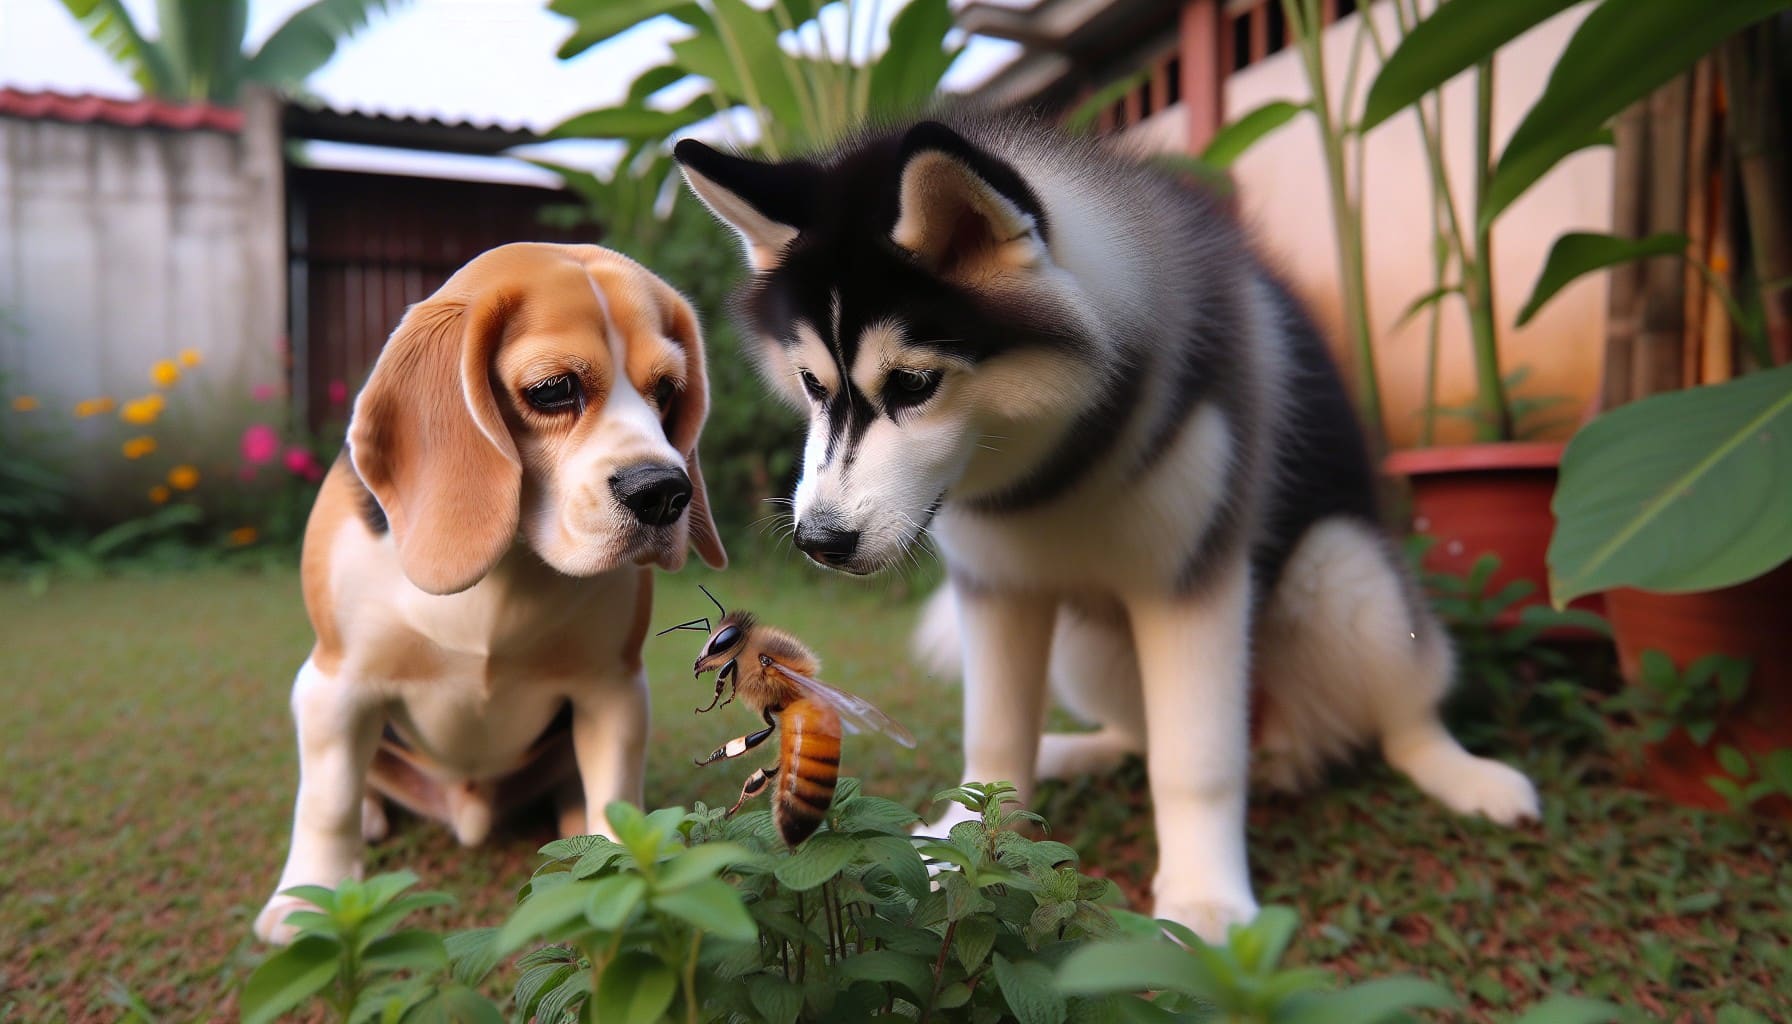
(308, 39)
(112, 28)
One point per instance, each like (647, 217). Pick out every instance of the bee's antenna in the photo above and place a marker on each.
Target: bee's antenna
(712, 599)
(702, 623)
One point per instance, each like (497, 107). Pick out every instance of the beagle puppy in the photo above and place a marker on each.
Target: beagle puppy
(477, 566)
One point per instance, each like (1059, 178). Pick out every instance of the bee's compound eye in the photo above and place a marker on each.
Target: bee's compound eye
(725, 639)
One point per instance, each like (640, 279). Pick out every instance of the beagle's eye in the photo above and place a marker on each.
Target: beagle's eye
(904, 389)
(663, 393)
(813, 385)
(556, 394)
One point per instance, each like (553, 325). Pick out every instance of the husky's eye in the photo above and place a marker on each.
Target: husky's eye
(813, 385)
(663, 393)
(556, 394)
(906, 388)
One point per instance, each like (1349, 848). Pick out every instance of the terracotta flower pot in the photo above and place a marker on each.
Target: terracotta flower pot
(1751, 620)
(1481, 498)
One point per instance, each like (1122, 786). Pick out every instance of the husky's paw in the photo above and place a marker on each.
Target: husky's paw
(270, 924)
(1067, 755)
(1205, 915)
(1490, 789)
(374, 825)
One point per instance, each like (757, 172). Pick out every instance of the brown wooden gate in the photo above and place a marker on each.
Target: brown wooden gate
(363, 247)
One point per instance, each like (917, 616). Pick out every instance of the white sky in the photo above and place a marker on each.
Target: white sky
(476, 60)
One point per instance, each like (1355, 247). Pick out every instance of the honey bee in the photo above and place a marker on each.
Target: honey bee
(773, 673)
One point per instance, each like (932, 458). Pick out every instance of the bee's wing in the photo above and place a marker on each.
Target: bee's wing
(856, 713)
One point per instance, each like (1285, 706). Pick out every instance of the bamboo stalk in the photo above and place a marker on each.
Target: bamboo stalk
(1493, 417)
(1751, 68)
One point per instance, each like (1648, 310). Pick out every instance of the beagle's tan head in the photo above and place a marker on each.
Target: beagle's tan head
(547, 394)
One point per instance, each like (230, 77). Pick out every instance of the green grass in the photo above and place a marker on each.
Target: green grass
(147, 770)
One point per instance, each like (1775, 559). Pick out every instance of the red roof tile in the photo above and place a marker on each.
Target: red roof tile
(140, 113)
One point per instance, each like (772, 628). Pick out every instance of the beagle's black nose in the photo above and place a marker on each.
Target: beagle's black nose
(655, 492)
(826, 543)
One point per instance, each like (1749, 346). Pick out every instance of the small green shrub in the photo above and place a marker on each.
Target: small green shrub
(691, 916)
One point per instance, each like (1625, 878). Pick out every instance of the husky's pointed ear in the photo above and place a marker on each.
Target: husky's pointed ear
(962, 211)
(766, 204)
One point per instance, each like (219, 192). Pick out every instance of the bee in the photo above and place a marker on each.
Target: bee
(773, 673)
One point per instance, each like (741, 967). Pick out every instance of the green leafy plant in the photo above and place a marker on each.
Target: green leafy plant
(1513, 689)
(351, 954)
(1752, 778)
(1664, 699)
(199, 54)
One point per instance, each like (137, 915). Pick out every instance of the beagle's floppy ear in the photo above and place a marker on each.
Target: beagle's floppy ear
(689, 409)
(766, 204)
(962, 211)
(429, 441)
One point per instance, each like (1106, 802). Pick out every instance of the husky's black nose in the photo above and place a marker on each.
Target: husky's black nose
(655, 492)
(825, 542)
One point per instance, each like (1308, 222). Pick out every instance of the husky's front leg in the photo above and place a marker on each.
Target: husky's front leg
(609, 741)
(1007, 641)
(1194, 662)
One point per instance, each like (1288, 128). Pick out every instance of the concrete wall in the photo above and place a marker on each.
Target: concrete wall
(1283, 192)
(122, 246)
(1283, 196)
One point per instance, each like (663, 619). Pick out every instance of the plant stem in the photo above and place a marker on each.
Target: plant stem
(690, 979)
(939, 969)
(1346, 217)
(1493, 420)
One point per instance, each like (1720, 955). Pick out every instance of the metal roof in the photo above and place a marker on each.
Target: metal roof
(310, 119)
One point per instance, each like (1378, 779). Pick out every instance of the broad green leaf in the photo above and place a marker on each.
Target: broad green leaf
(701, 862)
(109, 24)
(907, 73)
(612, 900)
(308, 39)
(1690, 490)
(711, 905)
(627, 123)
(875, 814)
(973, 940)
(1623, 51)
(1733, 761)
(559, 1000)
(704, 55)
(543, 913)
(473, 953)
(1372, 1002)
(1580, 252)
(414, 950)
(636, 989)
(537, 981)
(454, 1003)
(777, 1000)
(651, 81)
(1135, 965)
(288, 978)
(911, 971)
(1029, 991)
(1230, 142)
(596, 21)
(1561, 1009)
(820, 858)
(749, 37)
(382, 920)
(1453, 38)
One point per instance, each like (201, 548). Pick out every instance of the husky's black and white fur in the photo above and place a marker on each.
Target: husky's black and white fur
(1139, 464)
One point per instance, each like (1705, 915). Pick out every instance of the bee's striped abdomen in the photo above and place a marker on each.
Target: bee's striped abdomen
(808, 768)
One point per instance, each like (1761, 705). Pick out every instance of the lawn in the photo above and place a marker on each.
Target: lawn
(147, 768)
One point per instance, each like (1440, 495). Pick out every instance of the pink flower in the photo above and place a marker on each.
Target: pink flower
(260, 444)
(300, 462)
(263, 392)
(338, 392)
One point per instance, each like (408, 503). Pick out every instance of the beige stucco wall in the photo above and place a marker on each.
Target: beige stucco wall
(1283, 193)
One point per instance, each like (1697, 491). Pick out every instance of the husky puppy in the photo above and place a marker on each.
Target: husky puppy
(1140, 466)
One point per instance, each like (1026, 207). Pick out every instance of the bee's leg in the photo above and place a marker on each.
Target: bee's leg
(718, 697)
(756, 784)
(739, 745)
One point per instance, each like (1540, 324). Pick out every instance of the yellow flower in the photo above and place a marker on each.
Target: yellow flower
(143, 411)
(189, 357)
(164, 373)
(24, 403)
(183, 478)
(158, 494)
(94, 407)
(137, 447)
(241, 536)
